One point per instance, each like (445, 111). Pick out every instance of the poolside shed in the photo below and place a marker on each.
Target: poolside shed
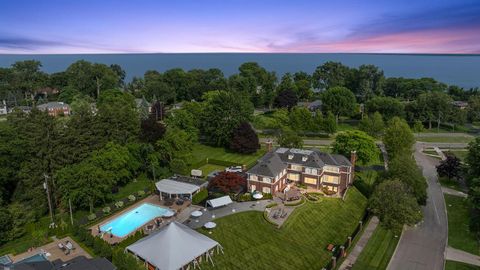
(175, 246)
(179, 186)
(222, 201)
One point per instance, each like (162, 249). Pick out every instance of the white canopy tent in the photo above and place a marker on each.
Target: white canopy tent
(175, 246)
(176, 188)
(225, 200)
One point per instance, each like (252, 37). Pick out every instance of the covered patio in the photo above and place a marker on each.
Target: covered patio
(178, 187)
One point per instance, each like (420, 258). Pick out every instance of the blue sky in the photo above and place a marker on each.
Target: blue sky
(144, 26)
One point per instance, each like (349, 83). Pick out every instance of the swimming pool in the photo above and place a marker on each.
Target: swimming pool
(133, 219)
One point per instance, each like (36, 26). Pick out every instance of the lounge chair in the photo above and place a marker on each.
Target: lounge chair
(61, 246)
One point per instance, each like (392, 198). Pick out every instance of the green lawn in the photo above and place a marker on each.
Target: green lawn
(462, 155)
(201, 152)
(459, 235)
(250, 242)
(447, 139)
(453, 184)
(451, 265)
(378, 251)
(132, 188)
(208, 168)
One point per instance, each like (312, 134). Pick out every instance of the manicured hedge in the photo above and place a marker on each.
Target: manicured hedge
(200, 196)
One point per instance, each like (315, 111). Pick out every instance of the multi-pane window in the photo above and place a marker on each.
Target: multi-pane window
(331, 179)
(331, 169)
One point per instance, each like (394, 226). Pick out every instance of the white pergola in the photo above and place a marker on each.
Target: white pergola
(176, 188)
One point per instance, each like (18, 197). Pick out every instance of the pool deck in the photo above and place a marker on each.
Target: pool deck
(54, 252)
(152, 199)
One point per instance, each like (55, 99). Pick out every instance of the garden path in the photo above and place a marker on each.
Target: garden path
(362, 242)
(462, 256)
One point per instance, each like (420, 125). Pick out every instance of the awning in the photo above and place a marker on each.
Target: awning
(176, 187)
(225, 200)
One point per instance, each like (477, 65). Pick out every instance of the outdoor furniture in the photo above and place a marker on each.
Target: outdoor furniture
(69, 245)
(197, 213)
(61, 246)
(210, 225)
(179, 202)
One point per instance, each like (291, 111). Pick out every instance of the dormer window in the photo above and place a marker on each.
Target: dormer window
(304, 158)
(290, 156)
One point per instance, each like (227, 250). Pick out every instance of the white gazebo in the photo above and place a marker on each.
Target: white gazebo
(174, 188)
(175, 246)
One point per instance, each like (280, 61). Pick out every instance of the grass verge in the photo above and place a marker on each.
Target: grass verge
(378, 251)
(459, 234)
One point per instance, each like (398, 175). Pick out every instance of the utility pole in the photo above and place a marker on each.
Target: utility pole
(153, 170)
(45, 186)
(71, 214)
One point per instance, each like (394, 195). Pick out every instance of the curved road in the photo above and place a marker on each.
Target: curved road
(422, 247)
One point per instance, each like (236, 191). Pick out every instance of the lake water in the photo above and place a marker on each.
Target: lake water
(462, 70)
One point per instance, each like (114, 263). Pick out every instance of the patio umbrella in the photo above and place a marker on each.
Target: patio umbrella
(196, 213)
(169, 214)
(210, 225)
(257, 196)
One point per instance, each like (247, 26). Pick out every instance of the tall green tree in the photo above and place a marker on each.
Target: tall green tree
(330, 74)
(388, 107)
(373, 125)
(117, 116)
(359, 141)
(222, 113)
(91, 79)
(340, 101)
(404, 168)
(393, 203)
(398, 137)
(176, 144)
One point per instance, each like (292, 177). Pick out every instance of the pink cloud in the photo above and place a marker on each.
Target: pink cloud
(425, 41)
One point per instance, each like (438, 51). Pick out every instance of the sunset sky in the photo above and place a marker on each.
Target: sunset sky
(150, 26)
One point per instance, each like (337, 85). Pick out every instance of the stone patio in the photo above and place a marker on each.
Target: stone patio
(53, 252)
(235, 207)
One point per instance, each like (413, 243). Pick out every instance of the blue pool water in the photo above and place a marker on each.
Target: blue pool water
(133, 219)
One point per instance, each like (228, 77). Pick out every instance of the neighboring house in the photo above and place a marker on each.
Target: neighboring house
(55, 108)
(311, 106)
(3, 108)
(24, 109)
(317, 170)
(460, 104)
(143, 105)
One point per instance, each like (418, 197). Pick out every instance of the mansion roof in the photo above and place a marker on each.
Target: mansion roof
(274, 162)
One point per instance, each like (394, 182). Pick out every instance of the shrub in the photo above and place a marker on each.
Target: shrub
(200, 196)
(91, 217)
(299, 202)
(119, 204)
(245, 197)
(106, 210)
(141, 193)
(327, 191)
(267, 196)
(131, 198)
(314, 196)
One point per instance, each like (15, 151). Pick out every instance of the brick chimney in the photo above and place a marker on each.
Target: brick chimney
(353, 160)
(269, 145)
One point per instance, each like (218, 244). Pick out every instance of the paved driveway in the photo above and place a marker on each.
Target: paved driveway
(422, 247)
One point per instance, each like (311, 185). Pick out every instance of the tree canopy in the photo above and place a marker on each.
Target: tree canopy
(355, 140)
